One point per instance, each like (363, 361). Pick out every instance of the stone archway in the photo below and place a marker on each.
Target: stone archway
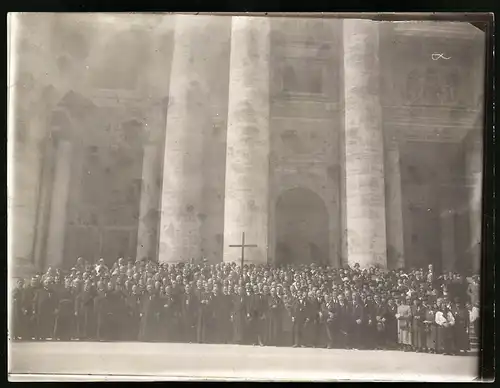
(301, 228)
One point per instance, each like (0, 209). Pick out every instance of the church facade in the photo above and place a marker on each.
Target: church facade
(323, 140)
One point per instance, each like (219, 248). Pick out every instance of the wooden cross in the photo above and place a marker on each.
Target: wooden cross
(243, 246)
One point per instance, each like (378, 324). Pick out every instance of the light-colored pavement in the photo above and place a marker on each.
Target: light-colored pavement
(161, 361)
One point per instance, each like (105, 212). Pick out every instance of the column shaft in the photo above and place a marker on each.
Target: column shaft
(474, 158)
(394, 209)
(247, 157)
(364, 156)
(148, 212)
(60, 191)
(188, 116)
(448, 250)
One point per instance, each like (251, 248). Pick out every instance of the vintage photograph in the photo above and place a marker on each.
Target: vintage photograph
(244, 197)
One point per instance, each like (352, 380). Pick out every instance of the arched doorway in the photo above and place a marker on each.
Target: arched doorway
(301, 228)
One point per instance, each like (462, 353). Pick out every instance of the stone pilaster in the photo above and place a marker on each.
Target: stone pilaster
(448, 248)
(58, 207)
(24, 182)
(247, 157)
(393, 203)
(188, 116)
(474, 179)
(364, 148)
(44, 202)
(148, 211)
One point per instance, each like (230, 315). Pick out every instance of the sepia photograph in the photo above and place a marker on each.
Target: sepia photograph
(228, 197)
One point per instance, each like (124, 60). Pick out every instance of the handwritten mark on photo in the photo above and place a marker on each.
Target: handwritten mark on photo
(437, 56)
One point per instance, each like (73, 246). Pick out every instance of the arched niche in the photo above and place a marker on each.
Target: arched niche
(301, 228)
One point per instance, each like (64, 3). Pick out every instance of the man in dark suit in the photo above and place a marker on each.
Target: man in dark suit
(345, 324)
(84, 312)
(45, 310)
(380, 312)
(239, 312)
(18, 323)
(190, 307)
(275, 310)
(169, 316)
(118, 312)
(312, 327)
(329, 314)
(28, 308)
(151, 305)
(65, 317)
(220, 312)
(204, 315)
(370, 323)
(357, 320)
(299, 318)
(101, 308)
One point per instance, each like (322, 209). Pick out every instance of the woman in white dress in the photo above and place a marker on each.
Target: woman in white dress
(404, 324)
(445, 322)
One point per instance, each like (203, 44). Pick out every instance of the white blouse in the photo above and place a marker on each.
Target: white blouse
(441, 319)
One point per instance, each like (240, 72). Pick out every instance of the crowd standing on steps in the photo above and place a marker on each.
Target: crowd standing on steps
(307, 306)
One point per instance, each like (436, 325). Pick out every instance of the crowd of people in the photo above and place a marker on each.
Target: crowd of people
(306, 306)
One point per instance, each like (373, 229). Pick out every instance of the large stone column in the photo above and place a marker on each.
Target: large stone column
(364, 148)
(394, 208)
(188, 116)
(58, 208)
(448, 251)
(148, 210)
(44, 202)
(247, 157)
(474, 177)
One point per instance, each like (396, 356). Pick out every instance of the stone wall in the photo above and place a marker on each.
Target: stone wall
(429, 107)
(102, 83)
(306, 120)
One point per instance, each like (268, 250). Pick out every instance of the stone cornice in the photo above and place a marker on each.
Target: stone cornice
(430, 123)
(437, 29)
(432, 134)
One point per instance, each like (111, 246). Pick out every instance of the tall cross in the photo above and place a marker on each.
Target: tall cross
(243, 246)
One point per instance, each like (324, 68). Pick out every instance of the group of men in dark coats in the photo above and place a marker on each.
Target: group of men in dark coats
(260, 305)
